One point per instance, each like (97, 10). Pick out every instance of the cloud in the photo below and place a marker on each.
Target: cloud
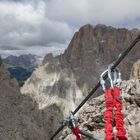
(25, 29)
(24, 25)
(55, 48)
(28, 25)
(6, 47)
(79, 12)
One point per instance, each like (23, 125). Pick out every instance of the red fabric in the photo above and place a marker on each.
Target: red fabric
(113, 100)
(108, 114)
(76, 132)
(118, 115)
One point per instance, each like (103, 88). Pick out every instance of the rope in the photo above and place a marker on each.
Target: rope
(116, 63)
(76, 132)
(113, 111)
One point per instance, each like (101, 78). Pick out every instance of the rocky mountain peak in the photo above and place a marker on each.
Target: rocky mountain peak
(47, 58)
(70, 76)
(93, 48)
(85, 32)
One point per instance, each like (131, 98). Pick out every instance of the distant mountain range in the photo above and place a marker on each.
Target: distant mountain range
(22, 60)
(21, 67)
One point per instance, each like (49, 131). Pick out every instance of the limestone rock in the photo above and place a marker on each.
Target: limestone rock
(91, 115)
(93, 48)
(49, 57)
(53, 84)
(135, 73)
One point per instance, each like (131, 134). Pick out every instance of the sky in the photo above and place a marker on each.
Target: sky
(43, 26)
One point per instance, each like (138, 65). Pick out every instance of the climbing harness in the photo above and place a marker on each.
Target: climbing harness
(115, 64)
(114, 105)
(71, 123)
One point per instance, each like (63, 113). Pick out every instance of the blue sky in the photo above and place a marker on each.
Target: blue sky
(43, 26)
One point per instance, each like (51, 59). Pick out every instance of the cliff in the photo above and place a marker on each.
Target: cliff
(93, 48)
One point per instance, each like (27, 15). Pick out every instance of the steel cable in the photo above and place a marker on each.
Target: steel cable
(115, 64)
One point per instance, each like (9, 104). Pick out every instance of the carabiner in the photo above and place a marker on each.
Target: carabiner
(113, 75)
(118, 79)
(72, 120)
(110, 75)
(102, 81)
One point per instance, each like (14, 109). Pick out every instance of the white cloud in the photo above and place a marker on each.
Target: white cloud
(32, 24)
(23, 24)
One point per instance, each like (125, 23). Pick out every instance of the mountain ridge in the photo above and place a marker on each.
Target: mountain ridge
(22, 60)
(87, 56)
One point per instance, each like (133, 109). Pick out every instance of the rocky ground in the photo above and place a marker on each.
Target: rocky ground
(91, 115)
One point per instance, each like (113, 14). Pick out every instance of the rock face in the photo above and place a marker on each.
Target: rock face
(91, 116)
(135, 74)
(67, 78)
(53, 83)
(92, 49)
(20, 117)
